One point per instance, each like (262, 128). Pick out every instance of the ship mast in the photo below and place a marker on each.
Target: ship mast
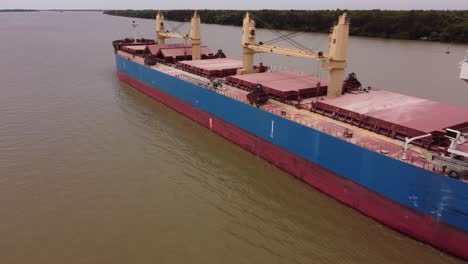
(334, 61)
(160, 29)
(248, 40)
(195, 34)
(338, 54)
(134, 31)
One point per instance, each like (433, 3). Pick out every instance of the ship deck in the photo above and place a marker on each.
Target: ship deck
(220, 67)
(399, 114)
(283, 85)
(392, 147)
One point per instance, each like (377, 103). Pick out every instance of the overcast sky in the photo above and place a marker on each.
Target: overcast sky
(235, 4)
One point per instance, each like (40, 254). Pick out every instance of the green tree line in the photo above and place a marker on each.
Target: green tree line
(446, 26)
(18, 10)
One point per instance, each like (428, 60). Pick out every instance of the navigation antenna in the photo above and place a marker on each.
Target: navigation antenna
(134, 26)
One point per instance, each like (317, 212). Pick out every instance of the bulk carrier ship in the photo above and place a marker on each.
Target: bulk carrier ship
(400, 160)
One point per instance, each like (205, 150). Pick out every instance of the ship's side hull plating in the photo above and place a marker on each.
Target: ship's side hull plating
(427, 206)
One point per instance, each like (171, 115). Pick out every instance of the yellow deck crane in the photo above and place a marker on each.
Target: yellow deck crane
(334, 61)
(195, 34)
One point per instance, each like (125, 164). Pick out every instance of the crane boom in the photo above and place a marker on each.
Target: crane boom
(266, 48)
(173, 35)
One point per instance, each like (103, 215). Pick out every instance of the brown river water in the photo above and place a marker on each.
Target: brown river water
(92, 171)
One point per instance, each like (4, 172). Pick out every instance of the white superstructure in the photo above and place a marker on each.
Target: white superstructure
(464, 69)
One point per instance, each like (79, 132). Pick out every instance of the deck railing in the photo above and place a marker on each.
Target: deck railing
(316, 124)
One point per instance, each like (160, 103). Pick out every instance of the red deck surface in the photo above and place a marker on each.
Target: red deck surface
(283, 84)
(183, 51)
(220, 67)
(214, 64)
(155, 48)
(136, 47)
(410, 112)
(175, 50)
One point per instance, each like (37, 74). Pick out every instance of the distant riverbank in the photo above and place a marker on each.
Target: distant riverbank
(446, 26)
(17, 10)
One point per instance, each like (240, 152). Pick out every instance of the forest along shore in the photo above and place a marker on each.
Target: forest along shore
(445, 26)
(17, 10)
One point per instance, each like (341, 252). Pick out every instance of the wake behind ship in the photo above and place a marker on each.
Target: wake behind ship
(398, 159)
